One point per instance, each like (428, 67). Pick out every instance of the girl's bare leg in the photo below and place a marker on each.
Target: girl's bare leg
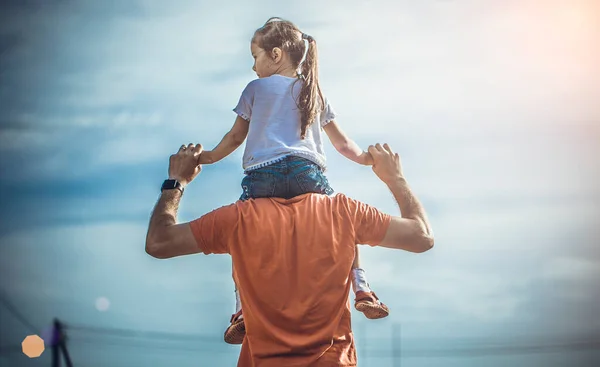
(356, 263)
(359, 278)
(238, 301)
(366, 301)
(237, 330)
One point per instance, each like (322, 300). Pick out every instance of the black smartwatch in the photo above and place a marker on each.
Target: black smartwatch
(170, 185)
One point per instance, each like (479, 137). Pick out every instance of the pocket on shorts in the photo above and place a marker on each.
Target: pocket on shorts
(313, 180)
(259, 184)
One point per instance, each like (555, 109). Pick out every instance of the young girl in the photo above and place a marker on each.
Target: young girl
(282, 114)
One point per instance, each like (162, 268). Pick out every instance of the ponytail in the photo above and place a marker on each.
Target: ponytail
(310, 101)
(303, 51)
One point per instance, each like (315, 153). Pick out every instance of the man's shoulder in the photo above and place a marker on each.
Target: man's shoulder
(343, 198)
(335, 198)
(305, 198)
(351, 206)
(337, 202)
(313, 198)
(225, 212)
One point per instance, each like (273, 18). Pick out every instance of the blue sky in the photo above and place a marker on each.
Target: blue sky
(492, 105)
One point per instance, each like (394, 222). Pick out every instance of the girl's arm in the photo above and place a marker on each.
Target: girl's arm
(346, 146)
(230, 142)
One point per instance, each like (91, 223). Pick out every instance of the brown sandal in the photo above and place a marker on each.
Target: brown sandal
(370, 306)
(236, 332)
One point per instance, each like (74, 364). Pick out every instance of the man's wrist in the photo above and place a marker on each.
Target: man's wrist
(182, 182)
(173, 184)
(395, 181)
(172, 193)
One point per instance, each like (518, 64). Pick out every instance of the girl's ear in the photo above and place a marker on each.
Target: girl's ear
(276, 54)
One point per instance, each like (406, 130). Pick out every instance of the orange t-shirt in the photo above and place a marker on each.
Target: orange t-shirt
(291, 262)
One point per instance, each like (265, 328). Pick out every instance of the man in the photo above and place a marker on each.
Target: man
(292, 258)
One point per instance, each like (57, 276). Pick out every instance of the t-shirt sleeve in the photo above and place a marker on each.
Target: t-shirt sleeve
(244, 106)
(213, 230)
(328, 114)
(370, 224)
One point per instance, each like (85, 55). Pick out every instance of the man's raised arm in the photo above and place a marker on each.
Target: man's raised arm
(166, 238)
(412, 231)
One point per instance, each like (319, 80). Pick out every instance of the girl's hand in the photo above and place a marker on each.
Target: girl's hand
(205, 157)
(366, 159)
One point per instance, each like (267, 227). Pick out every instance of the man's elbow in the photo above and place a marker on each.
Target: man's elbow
(155, 249)
(424, 243)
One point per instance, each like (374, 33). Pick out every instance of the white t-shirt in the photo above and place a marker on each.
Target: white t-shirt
(269, 104)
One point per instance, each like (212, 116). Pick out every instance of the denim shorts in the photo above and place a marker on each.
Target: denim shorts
(289, 177)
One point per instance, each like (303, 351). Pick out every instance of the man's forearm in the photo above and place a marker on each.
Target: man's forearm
(410, 206)
(163, 215)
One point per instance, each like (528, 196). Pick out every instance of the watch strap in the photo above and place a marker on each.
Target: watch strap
(171, 184)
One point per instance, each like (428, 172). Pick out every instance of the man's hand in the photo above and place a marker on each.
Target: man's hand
(386, 163)
(411, 232)
(184, 165)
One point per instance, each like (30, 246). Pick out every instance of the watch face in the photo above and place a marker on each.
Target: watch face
(169, 184)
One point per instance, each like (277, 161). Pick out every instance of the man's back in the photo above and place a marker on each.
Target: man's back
(292, 260)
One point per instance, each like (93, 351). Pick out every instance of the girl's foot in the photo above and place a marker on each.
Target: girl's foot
(366, 301)
(370, 306)
(236, 332)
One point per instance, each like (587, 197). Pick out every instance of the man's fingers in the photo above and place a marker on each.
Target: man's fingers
(191, 147)
(372, 150)
(379, 149)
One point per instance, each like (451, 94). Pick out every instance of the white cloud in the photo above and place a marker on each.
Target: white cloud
(129, 150)
(461, 69)
(565, 268)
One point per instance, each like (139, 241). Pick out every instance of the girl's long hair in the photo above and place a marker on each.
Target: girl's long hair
(287, 36)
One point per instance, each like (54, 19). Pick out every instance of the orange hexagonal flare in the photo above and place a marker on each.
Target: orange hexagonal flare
(33, 346)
